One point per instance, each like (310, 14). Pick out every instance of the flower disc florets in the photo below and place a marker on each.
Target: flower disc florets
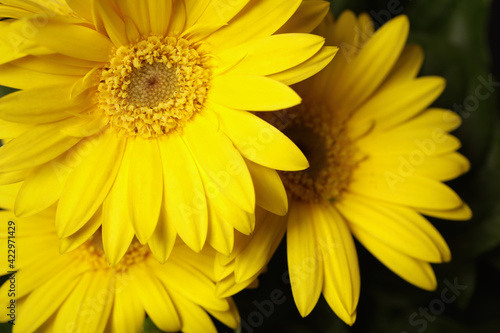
(154, 86)
(328, 149)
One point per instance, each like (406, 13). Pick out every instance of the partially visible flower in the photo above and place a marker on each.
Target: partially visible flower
(136, 109)
(80, 292)
(378, 158)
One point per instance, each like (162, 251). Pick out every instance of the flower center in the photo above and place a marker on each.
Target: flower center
(154, 86)
(92, 253)
(328, 149)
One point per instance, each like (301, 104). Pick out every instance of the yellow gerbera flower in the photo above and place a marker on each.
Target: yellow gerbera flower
(378, 159)
(137, 107)
(80, 292)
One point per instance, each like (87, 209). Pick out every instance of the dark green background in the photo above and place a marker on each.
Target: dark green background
(461, 40)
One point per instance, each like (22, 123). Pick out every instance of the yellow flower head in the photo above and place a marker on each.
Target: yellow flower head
(80, 292)
(378, 158)
(134, 113)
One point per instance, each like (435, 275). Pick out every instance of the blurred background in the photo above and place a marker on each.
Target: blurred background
(461, 39)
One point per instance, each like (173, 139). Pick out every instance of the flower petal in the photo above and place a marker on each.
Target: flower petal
(259, 141)
(88, 185)
(271, 54)
(185, 204)
(304, 266)
(42, 105)
(308, 68)
(155, 299)
(400, 228)
(75, 41)
(342, 279)
(39, 145)
(258, 19)
(145, 186)
(270, 192)
(226, 169)
(253, 93)
(117, 229)
(416, 272)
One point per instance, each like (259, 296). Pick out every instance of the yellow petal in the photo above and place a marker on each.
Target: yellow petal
(308, 68)
(226, 169)
(163, 239)
(253, 93)
(89, 183)
(159, 14)
(128, 313)
(37, 146)
(75, 41)
(463, 213)
(229, 318)
(265, 240)
(100, 288)
(427, 140)
(221, 209)
(85, 125)
(400, 228)
(117, 229)
(193, 317)
(178, 21)
(443, 168)
(70, 243)
(114, 25)
(155, 299)
(342, 280)
(19, 78)
(44, 185)
(259, 141)
(306, 271)
(50, 296)
(13, 176)
(8, 195)
(185, 204)
(271, 54)
(258, 19)
(414, 97)
(191, 283)
(81, 7)
(67, 314)
(363, 74)
(220, 233)
(42, 105)
(48, 65)
(413, 191)
(10, 130)
(407, 66)
(138, 11)
(145, 180)
(307, 17)
(205, 17)
(270, 192)
(416, 272)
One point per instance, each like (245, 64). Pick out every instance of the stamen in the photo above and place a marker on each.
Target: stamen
(154, 86)
(330, 152)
